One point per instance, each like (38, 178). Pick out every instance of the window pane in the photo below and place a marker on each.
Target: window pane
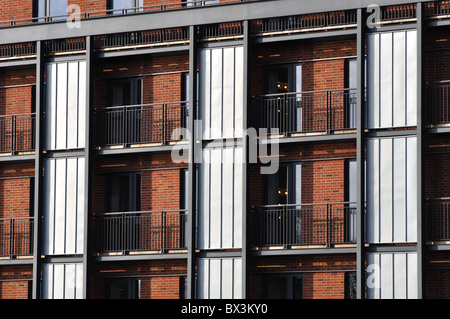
(57, 7)
(297, 288)
(276, 288)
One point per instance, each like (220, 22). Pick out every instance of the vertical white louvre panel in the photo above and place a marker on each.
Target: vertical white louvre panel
(64, 206)
(392, 276)
(62, 281)
(391, 190)
(392, 79)
(65, 105)
(221, 96)
(219, 278)
(220, 207)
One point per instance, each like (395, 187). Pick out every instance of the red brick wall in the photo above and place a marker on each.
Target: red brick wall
(14, 10)
(16, 91)
(159, 279)
(323, 276)
(14, 282)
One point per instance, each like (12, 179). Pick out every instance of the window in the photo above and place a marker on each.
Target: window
(122, 288)
(124, 192)
(350, 195)
(50, 8)
(351, 83)
(125, 6)
(350, 285)
(124, 125)
(283, 190)
(196, 3)
(284, 187)
(284, 287)
(285, 110)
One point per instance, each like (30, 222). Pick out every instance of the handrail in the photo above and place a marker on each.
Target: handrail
(141, 212)
(303, 92)
(138, 105)
(296, 205)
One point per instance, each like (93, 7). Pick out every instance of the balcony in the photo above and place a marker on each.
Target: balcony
(140, 125)
(300, 113)
(438, 105)
(16, 237)
(139, 232)
(176, 5)
(438, 219)
(17, 134)
(301, 226)
(305, 23)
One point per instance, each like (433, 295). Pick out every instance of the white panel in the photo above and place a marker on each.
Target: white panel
(228, 198)
(386, 66)
(411, 77)
(413, 278)
(221, 92)
(71, 205)
(386, 190)
(228, 92)
(219, 278)
(60, 206)
(391, 190)
(216, 93)
(220, 195)
(205, 90)
(82, 104)
(372, 190)
(400, 276)
(399, 79)
(216, 199)
(72, 105)
(373, 80)
(392, 79)
(239, 92)
(397, 276)
(215, 278)
(58, 281)
(65, 110)
(64, 206)
(411, 189)
(61, 106)
(237, 198)
(386, 276)
(399, 191)
(62, 281)
(80, 207)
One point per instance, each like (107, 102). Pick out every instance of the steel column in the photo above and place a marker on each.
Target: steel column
(245, 167)
(88, 166)
(38, 175)
(360, 153)
(192, 191)
(420, 139)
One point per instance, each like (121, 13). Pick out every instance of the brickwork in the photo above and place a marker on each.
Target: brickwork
(159, 279)
(14, 282)
(323, 276)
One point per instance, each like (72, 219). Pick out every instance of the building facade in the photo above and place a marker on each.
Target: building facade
(228, 149)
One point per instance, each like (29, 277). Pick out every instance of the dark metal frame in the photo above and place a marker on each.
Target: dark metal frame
(203, 16)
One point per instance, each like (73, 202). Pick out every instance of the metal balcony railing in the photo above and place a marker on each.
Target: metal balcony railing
(305, 224)
(438, 219)
(172, 35)
(436, 9)
(139, 231)
(305, 22)
(17, 50)
(16, 237)
(438, 104)
(17, 133)
(179, 5)
(141, 124)
(304, 112)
